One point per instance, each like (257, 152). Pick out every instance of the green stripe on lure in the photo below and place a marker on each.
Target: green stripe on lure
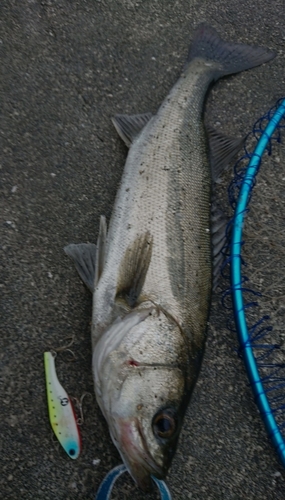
(61, 413)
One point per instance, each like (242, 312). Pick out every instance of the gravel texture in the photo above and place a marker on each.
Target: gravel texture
(67, 67)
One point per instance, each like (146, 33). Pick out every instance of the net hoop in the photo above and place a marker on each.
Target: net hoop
(237, 283)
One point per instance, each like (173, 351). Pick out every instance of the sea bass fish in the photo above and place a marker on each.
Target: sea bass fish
(151, 272)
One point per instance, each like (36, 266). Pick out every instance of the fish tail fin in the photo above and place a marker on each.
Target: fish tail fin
(233, 57)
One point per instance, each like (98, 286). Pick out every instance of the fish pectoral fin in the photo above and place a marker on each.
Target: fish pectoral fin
(100, 253)
(129, 126)
(133, 269)
(84, 257)
(219, 223)
(222, 151)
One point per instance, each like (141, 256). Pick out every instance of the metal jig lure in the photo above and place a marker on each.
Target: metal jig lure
(61, 412)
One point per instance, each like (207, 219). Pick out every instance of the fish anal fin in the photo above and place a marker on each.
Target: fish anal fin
(222, 151)
(219, 223)
(129, 126)
(133, 269)
(84, 257)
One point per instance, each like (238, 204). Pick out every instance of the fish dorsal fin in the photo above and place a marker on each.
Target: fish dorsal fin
(133, 269)
(219, 223)
(100, 253)
(84, 257)
(222, 151)
(129, 126)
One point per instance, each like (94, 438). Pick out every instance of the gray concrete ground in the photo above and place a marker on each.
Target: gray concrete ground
(67, 67)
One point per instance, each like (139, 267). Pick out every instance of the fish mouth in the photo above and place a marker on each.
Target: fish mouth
(133, 449)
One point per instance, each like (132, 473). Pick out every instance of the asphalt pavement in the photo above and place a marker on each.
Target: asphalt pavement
(67, 67)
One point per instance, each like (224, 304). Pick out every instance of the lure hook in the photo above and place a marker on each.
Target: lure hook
(79, 404)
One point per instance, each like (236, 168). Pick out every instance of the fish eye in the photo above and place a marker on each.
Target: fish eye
(164, 425)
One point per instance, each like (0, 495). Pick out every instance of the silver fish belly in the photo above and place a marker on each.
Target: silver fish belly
(150, 273)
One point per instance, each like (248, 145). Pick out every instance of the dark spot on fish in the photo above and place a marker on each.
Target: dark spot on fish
(72, 452)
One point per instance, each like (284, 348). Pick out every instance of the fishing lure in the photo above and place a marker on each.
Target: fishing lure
(105, 488)
(267, 388)
(61, 412)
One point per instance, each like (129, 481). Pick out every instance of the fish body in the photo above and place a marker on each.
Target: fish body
(165, 190)
(150, 273)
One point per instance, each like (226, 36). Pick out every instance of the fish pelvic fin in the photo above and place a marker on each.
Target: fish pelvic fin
(233, 57)
(222, 151)
(130, 126)
(84, 258)
(133, 269)
(101, 246)
(89, 258)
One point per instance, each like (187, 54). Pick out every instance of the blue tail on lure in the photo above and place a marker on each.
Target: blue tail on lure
(258, 355)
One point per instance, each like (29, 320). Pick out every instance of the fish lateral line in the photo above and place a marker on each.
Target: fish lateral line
(134, 363)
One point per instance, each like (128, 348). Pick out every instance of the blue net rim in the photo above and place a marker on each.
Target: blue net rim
(105, 488)
(237, 288)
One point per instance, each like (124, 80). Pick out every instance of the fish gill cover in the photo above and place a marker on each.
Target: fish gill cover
(259, 246)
